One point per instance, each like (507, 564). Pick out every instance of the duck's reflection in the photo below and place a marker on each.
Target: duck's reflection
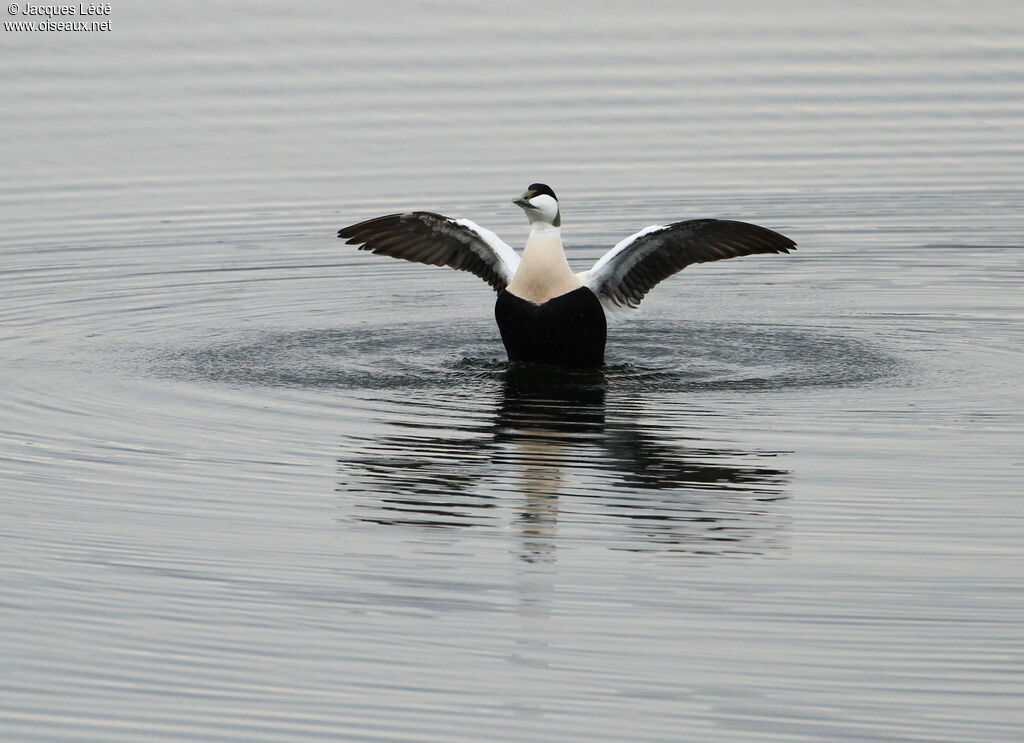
(550, 449)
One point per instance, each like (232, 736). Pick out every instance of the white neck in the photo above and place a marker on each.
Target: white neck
(544, 272)
(541, 227)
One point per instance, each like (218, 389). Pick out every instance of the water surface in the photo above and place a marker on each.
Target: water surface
(260, 486)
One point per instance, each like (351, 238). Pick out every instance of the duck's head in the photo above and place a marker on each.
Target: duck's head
(540, 204)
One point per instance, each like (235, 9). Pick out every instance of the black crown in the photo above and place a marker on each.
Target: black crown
(542, 188)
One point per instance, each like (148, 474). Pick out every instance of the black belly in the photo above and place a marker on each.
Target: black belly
(568, 331)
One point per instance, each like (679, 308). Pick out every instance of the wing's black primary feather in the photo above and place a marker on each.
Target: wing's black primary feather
(626, 273)
(426, 237)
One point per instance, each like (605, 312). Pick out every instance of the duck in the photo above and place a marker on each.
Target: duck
(546, 313)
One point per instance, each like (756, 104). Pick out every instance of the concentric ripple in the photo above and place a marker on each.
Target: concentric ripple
(644, 357)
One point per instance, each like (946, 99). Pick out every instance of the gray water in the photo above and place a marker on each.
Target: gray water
(258, 486)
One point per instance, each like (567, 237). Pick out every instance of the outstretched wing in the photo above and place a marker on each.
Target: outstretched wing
(624, 275)
(425, 237)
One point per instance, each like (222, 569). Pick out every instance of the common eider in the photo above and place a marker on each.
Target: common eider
(546, 313)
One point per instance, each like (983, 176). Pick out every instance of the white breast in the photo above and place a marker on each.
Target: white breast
(544, 272)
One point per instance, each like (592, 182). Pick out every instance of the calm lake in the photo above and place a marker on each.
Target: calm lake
(256, 485)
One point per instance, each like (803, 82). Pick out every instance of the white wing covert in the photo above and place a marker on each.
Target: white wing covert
(623, 276)
(426, 237)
